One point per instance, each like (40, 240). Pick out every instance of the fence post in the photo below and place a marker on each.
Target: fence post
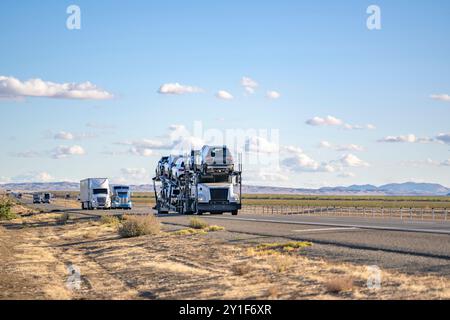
(410, 213)
(433, 213)
(401, 213)
(446, 214)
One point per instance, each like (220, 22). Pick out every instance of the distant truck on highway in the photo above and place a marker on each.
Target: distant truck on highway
(47, 197)
(37, 198)
(121, 198)
(95, 194)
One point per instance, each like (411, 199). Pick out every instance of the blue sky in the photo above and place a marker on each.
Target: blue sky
(319, 56)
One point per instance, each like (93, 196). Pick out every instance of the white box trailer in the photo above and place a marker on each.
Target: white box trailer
(95, 194)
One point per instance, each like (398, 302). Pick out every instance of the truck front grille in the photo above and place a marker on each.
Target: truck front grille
(101, 202)
(219, 194)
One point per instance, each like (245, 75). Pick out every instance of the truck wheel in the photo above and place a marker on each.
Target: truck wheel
(199, 212)
(234, 213)
(82, 206)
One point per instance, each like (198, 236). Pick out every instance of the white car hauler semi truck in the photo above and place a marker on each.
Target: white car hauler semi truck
(209, 183)
(95, 194)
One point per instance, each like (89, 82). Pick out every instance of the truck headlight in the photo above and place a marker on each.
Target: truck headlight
(234, 197)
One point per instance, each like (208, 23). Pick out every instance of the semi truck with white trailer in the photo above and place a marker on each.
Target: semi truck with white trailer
(209, 183)
(121, 197)
(95, 194)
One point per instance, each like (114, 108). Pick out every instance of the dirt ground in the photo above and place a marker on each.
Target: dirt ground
(41, 259)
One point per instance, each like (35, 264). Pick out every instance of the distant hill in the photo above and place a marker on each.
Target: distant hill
(393, 189)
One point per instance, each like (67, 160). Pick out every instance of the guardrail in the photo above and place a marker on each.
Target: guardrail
(440, 214)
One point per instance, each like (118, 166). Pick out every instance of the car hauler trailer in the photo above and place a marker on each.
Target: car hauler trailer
(200, 190)
(95, 194)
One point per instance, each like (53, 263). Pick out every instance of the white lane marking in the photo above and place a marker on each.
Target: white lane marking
(325, 229)
(437, 231)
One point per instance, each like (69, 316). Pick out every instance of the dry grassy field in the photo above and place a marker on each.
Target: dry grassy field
(133, 259)
(327, 201)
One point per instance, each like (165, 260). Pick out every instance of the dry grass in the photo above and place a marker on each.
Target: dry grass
(281, 263)
(35, 262)
(197, 223)
(276, 247)
(63, 219)
(241, 269)
(136, 226)
(214, 228)
(340, 284)
(112, 221)
(187, 232)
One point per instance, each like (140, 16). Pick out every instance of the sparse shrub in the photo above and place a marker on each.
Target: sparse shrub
(5, 209)
(135, 226)
(63, 219)
(340, 284)
(187, 232)
(110, 221)
(196, 223)
(241, 269)
(285, 247)
(281, 263)
(214, 228)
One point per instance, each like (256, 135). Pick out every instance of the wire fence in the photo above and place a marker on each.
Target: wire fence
(439, 214)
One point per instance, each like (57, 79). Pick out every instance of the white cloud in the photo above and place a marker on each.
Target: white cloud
(350, 160)
(141, 151)
(176, 141)
(325, 145)
(333, 121)
(292, 149)
(300, 162)
(257, 144)
(441, 97)
(224, 95)
(62, 152)
(62, 135)
(348, 147)
(176, 88)
(410, 138)
(444, 137)
(249, 85)
(273, 95)
(11, 87)
(407, 138)
(327, 121)
(271, 176)
(32, 176)
(132, 176)
(359, 127)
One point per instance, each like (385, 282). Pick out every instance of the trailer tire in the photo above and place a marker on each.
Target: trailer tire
(234, 213)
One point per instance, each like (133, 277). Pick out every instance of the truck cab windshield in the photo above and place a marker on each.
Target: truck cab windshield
(100, 191)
